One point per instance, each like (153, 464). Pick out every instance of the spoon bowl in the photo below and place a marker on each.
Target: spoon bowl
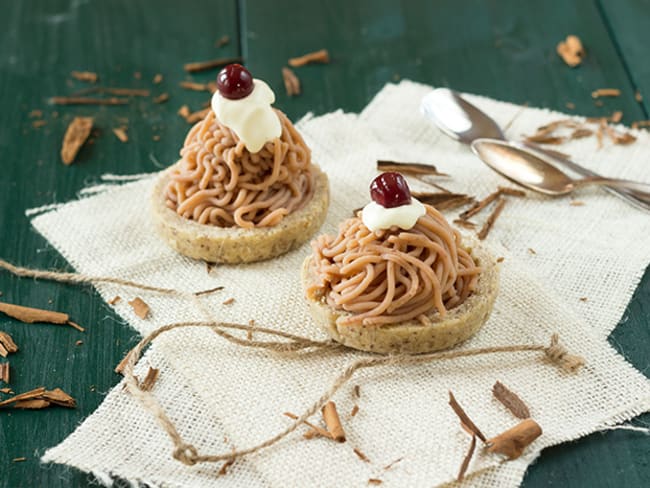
(526, 169)
(458, 118)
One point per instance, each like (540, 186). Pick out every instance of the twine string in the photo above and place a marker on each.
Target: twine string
(189, 455)
(288, 343)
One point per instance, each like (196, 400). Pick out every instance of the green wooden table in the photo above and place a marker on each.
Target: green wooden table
(503, 49)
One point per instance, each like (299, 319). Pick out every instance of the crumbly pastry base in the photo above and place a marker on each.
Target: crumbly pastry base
(412, 337)
(234, 245)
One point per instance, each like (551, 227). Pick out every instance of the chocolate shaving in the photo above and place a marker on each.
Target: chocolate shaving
(75, 136)
(332, 421)
(88, 101)
(576, 203)
(485, 230)
(211, 64)
(36, 404)
(464, 419)
(468, 458)
(59, 397)
(321, 56)
(291, 82)
(140, 308)
(28, 395)
(18, 459)
(30, 315)
(157, 79)
(511, 192)
(500, 259)
(513, 441)
(211, 290)
(390, 466)
(466, 224)
(222, 41)
(7, 345)
(375, 481)
(5, 372)
(354, 411)
(120, 133)
(581, 133)
(357, 391)
(606, 92)
(510, 400)
(114, 300)
(409, 168)
(544, 139)
(480, 205)
(5, 390)
(571, 51)
(319, 430)
(191, 85)
(443, 200)
(225, 466)
(361, 455)
(120, 367)
(228, 301)
(88, 76)
(150, 379)
(162, 98)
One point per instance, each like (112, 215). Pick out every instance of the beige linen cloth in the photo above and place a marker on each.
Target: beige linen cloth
(223, 396)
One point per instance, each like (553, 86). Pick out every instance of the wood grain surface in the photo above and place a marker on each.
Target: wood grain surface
(502, 49)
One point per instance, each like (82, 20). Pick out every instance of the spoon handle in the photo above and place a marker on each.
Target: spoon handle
(554, 157)
(638, 189)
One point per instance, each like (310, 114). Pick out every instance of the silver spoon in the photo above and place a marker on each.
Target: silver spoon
(523, 167)
(464, 122)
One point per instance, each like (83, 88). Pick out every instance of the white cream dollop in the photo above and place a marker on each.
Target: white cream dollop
(376, 217)
(252, 118)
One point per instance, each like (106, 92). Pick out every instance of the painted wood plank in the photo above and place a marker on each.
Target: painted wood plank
(40, 43)
(501, 49)
(629, 24)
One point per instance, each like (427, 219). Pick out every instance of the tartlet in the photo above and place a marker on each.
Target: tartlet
(245, 188)
(341, 294)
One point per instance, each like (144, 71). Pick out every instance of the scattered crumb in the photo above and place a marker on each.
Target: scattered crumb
(228, 301)
(357, 391)
(18, 459)
(576, 203)
(162, 98)
(78, 343)
(500, 259)
(571, 51)
(155, 137)
(224, 468)
(114, 300)
(570, 105)
(137, 75)
(616, 116)
(184, 111)
(606, 92)
(375, 481)
(120, 133)
(38, 123)
(6, 390)
(140, 308)
(75, 136)
(354, 411)
(157, 79)
(638, 97)
(88, 76)
(361, 455)
(598, 103)
(35, 114)
(583, 299)
(321, 56)
(291, 82)
(222, 41)
(531, 250)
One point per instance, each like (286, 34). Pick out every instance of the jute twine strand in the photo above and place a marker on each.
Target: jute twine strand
(291, 343)
(78, 278)
(188, 454)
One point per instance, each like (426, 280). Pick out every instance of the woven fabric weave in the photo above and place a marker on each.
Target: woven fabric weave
(223, 396)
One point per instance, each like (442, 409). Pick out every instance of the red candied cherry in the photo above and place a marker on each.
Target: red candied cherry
(235, 82)
(390, 190)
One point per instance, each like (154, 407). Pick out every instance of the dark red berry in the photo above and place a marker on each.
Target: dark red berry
(234, 82)
(390, 190)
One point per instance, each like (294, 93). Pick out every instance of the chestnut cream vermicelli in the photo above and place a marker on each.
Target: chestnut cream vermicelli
(219, 182)
(392, 276)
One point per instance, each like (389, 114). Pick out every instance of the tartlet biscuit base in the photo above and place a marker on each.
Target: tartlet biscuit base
(458, 325)
(234, 245)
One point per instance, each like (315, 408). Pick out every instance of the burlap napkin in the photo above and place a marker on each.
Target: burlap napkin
(222, 396)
